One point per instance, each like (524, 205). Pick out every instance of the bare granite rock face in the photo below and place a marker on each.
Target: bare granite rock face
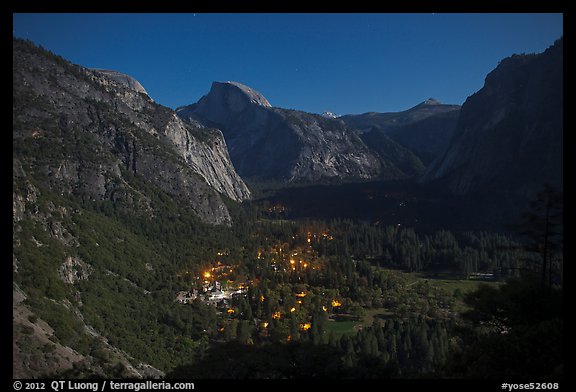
(207, 156)
(509, 134)
(73, 269)
(288, 145)
(123, 79)
(94, 126)
(94, 156)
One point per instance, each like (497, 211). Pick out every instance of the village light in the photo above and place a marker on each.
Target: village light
(276, 315)
(207, 274)
(336, 303)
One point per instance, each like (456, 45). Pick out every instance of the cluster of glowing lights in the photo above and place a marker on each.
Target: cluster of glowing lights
(303, 263)
(276, 315)
(277, 208)
(295, 264)
(301, 294)
(336, 303)
(230, 311)
(305, 326)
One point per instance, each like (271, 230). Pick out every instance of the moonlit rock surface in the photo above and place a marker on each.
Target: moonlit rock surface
(281, 144)
(509, 136)
(328, 114)
(126, 80)
(255, 96)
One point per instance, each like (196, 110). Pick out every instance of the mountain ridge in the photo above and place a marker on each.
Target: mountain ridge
(425, 129)
(108, 189)
(123, 78)
(125, 125)
(515, 117)
(313, 147)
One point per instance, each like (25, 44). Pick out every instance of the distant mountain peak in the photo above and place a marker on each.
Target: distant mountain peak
(282, 144)
(328, 114)
(431, 101)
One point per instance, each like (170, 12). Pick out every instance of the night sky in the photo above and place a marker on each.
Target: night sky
(344, 63)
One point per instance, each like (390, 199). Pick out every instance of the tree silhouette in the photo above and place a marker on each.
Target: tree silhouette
(542, 225)
(512, 331)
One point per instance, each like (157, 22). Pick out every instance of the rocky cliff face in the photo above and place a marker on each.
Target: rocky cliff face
(287, 145)
(82, 132)
(208, 156)
(425, 129)
(509, 134)
(125, 80)
(103, 180)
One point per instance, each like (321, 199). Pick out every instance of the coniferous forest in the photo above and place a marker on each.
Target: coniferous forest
(337, 298)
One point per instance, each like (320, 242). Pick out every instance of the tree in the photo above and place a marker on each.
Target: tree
(243, 332)
(513, 331)
(332, 340)
(542, 225)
